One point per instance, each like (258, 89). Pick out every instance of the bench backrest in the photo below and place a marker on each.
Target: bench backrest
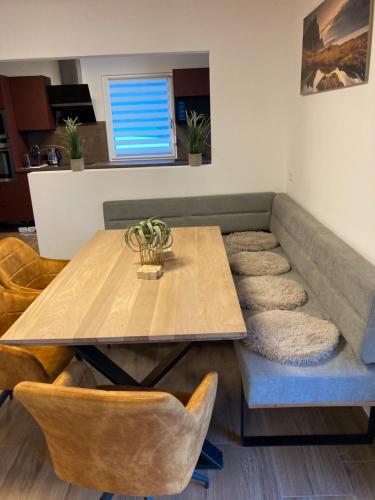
(343, 281)
(236, 212)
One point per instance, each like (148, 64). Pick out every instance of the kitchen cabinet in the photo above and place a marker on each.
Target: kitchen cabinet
(17, 142)
(30, 103)
(15, 200)
(191, 82)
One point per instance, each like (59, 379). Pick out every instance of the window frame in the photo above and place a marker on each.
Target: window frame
(106, 79)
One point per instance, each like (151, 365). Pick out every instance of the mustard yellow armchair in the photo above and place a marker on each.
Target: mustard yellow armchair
(41, 364)
(22, 269)
(130, 442)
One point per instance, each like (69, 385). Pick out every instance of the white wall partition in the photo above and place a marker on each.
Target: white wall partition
(261, 126)
(249, 77)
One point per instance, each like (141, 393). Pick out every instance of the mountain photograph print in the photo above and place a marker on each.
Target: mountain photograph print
(336, 45)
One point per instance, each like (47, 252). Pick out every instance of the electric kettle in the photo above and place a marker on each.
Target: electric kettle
(54, 157)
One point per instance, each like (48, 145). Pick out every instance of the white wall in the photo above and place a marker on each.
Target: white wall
(332, 148)
(31, 68)
(249, 78)
(261, 125)
(94, 68)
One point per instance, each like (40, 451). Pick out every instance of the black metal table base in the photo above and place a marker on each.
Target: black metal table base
(309, 439)
(211, 457)
(4, 396)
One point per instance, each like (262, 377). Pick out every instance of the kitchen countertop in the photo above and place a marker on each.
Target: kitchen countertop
(104, 165)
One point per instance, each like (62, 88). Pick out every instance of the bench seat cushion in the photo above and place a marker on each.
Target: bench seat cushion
(340, 379)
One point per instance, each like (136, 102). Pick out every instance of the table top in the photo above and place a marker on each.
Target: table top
(98, 298)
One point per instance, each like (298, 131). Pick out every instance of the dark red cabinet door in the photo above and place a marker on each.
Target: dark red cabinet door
(191, 82)
(15, 200)
(30, 103)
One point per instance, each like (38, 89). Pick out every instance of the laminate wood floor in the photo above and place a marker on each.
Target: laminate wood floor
(294, 473)
(326, 472)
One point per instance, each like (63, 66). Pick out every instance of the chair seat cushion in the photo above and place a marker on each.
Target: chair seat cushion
(265, 293)
(252, 241)
(258, 263)
(290, 337)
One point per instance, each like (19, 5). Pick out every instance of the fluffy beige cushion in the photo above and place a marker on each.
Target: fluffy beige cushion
(252, 241)
(264, 293)
(291, 337)
(258, 263)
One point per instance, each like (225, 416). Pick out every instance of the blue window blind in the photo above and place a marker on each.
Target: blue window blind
(141, 117)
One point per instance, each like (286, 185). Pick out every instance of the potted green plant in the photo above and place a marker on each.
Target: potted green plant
(74, 145)
(199, 128)
(150, 238)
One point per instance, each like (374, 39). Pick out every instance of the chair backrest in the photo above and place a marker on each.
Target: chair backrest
(235, 212)
(12, 305)
(132, 443)
(343, 281)
(19, 264)
(16, 363)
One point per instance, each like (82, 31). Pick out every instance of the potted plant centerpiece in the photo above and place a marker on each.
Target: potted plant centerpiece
(150, 238)
(73, 144)
(199, 128)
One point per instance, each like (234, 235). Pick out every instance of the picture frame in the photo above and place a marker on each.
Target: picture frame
(336, 45)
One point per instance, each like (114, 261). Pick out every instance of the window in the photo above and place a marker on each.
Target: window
(140, 117)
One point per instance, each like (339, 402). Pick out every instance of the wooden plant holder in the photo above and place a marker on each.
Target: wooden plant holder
(148, 272)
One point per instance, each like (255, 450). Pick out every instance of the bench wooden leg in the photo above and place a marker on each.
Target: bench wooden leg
(308, 439)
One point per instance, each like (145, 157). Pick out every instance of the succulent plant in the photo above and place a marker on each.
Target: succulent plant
(151, 234)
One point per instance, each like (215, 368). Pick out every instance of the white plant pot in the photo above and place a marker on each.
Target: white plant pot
(195, 160)
(77, 165)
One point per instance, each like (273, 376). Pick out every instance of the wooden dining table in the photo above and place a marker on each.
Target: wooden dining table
(98, 299)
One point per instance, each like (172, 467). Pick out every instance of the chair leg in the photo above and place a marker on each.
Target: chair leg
(4, 396)
(106, 496)
(203, 479)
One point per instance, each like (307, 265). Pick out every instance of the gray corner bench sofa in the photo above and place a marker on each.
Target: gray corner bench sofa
(340, 285)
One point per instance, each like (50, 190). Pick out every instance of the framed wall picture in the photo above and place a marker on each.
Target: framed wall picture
(336, 45)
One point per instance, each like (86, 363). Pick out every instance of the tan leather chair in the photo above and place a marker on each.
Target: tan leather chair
(21, 268)
(41, 364)
(130, 442)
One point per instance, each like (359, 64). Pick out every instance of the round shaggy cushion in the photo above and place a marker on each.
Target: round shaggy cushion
(252, 241)
(291, 337)
(265, 293)
(258, 263)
